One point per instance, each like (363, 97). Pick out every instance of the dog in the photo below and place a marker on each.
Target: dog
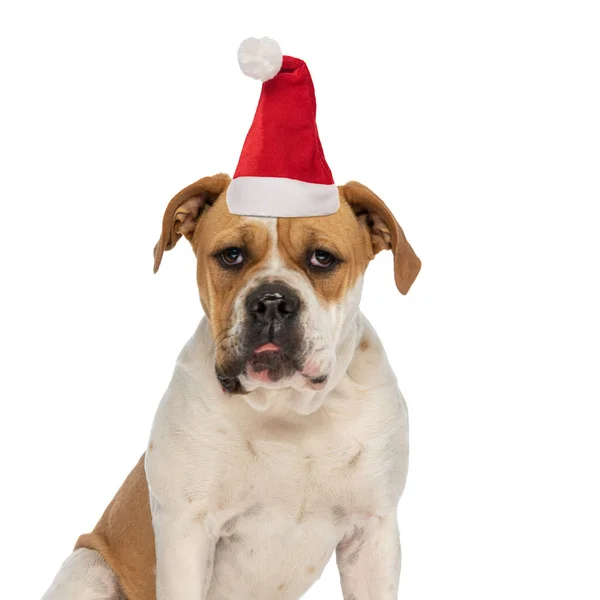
(282, 436)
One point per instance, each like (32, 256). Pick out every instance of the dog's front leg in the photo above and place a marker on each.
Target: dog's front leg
(185, 548)
(369, 561)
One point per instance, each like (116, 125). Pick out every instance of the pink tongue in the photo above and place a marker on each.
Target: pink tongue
(266, 348)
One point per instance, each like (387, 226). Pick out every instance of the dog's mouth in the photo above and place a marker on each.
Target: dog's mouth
(267, 364)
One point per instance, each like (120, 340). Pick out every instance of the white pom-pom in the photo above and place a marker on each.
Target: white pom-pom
(260, 58)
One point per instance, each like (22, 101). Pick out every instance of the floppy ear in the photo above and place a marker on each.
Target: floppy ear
(385, 232)
(182, 213)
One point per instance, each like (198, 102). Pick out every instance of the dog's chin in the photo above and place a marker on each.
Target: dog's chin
(270, 366)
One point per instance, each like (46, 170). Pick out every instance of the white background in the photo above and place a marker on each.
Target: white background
(478, 122)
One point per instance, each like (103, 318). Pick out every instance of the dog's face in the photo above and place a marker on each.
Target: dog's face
(281, 294)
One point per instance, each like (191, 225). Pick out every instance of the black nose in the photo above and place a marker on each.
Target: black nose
(272, 303)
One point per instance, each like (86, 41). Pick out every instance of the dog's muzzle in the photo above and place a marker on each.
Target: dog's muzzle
(270, 344)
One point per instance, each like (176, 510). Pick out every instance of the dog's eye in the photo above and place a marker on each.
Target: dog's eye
(231, 257)
(321, 259)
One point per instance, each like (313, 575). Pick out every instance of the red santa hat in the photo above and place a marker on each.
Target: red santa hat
(282, 171)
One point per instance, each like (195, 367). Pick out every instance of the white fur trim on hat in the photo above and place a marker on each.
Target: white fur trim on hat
(260, 58)
(281, 197)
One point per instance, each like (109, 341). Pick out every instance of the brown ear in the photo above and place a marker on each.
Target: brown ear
(385, 232)
(182, 213)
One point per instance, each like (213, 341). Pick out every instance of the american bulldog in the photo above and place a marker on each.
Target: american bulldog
(282, 436)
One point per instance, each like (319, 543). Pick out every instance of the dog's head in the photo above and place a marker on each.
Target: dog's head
(281, 294)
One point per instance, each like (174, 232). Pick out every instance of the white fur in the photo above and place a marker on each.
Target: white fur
(85, 575)
(260, 58)
(272, 494)
(251, 495)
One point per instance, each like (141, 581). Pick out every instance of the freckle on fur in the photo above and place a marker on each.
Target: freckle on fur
(338, 512)
(354, 459)
(281, 587)
(310, 569)
(150, 447)
(358, 537)
(250, 448)
(229, 526)
(253, 510)
(364, 344)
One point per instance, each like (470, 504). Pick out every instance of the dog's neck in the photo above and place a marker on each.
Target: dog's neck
(197, 362)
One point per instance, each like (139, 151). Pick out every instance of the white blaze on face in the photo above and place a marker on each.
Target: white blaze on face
(323, 327)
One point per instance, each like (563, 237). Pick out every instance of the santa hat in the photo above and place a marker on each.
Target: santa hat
(282, 171)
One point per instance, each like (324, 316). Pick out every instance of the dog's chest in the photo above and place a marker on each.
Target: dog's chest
(278, 493)
(285, 508)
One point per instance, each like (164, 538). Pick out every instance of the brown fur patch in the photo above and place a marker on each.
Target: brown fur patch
(342, 235)
(183, 211)
(364, 344)
(217, 230)
(384, 231)
(125, 538)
